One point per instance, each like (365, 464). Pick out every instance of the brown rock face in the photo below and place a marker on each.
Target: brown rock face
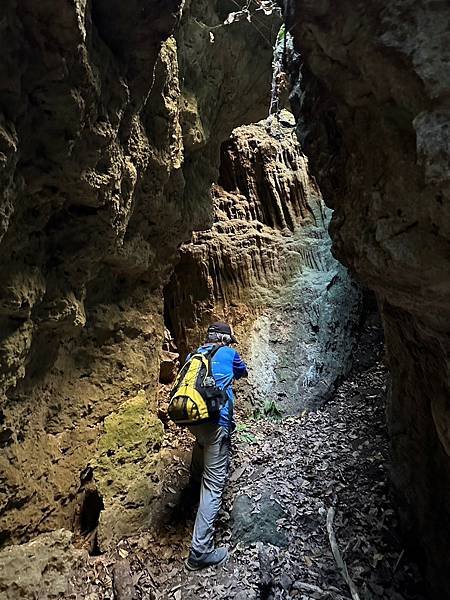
(226, 73)
(79, 328)
(375, 125)
(42, 568)
(266, 266)
(94, 151)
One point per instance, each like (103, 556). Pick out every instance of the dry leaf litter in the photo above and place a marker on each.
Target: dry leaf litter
(285, 476)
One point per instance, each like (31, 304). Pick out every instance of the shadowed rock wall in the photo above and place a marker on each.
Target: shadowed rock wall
(374, 123)
(95, 143)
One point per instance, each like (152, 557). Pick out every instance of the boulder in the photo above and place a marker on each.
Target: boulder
(41, 569)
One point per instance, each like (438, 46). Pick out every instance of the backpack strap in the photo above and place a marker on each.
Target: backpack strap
(213, 350)
(209, 356)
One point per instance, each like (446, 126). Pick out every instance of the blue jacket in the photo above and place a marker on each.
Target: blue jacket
(227, 365)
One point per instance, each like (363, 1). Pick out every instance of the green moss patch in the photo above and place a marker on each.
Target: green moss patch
(126, 450)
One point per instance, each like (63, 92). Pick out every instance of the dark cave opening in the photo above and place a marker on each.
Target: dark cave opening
(91, 507)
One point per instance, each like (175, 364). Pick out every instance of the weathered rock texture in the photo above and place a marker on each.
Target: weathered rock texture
(376, 127)
(266, 266)
(42, 569)
(96, 178)
(225, 83)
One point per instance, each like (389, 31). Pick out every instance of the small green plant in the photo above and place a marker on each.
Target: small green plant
(244, 434)
(248, 438)
(241, 427)
(271, 409)
(281, 34)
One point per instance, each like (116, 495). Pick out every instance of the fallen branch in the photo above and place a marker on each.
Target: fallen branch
(398, 560)
(308, 587)
(337, 554)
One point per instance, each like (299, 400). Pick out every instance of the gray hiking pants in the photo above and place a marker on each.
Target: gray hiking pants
(210, 459)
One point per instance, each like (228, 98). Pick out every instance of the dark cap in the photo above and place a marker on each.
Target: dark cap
(222, 328)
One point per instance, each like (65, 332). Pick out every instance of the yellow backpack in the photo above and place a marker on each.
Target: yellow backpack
(195, 397)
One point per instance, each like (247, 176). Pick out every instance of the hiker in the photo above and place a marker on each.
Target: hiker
(214, 364)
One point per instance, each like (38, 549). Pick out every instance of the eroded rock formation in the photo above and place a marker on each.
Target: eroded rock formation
(98, 144)
(266, 266)
(376, 126)
(42, 568)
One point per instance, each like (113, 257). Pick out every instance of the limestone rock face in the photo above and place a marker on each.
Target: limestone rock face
(124, 467)
(85, 176)
(266, 266)
(42, 568)
(375, 125)
(224, 70)
(95, 136)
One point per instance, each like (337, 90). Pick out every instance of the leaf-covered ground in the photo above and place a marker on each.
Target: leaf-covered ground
(285, 476)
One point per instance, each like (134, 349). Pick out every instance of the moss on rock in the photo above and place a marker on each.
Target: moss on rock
(126, 468)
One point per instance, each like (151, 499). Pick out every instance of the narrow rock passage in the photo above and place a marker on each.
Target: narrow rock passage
(285, 475)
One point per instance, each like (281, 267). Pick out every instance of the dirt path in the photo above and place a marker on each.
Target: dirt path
(285, 476)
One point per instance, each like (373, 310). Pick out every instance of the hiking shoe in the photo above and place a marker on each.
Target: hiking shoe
(195, 562)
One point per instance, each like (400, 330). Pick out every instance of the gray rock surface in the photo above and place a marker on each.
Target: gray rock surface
(374, 123)
(251, 527)
(302, 345)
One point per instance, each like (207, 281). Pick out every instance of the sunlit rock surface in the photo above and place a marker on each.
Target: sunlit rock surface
(375, 125)
(42, 568)
(266, 266)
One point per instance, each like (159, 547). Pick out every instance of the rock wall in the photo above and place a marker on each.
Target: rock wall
(98, 138)
(266, 266)
(43, 568)
(224, 74)
(375, 125)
